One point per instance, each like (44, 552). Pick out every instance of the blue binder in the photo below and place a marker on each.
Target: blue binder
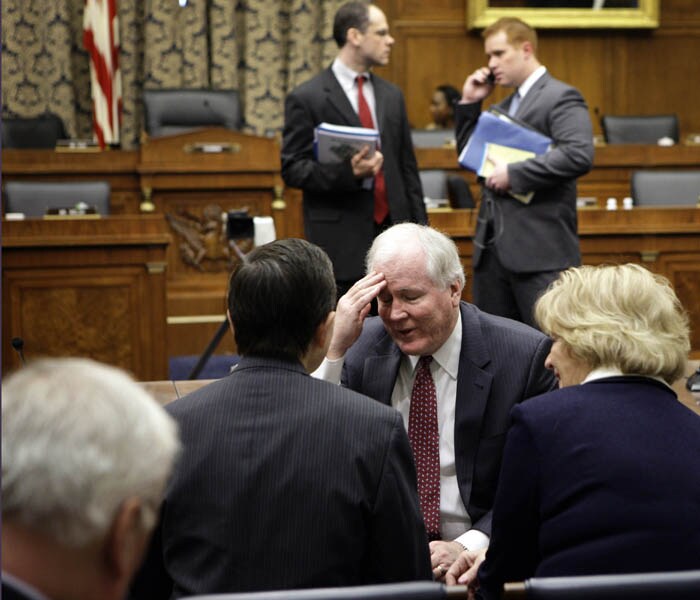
(499, 128)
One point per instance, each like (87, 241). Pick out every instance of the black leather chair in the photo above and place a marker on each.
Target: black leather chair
(413, 590)
(458, 192)
(34, 132)
(658, 188)
(639, 129)
(678, 585)
(34, 199)
(432, 138)
(174, 111)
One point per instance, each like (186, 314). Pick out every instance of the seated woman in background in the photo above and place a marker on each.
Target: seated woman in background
(602, 477)
(442, 107)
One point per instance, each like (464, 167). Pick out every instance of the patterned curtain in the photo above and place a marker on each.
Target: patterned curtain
(263, 48)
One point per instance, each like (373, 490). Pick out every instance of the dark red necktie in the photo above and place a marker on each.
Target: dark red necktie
(381, 206)
(425, 441)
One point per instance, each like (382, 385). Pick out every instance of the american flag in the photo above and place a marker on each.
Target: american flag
(101, 40)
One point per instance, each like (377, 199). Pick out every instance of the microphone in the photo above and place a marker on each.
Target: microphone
(18, 345)
(693, 382)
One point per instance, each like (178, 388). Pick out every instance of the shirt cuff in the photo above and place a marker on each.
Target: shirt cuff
(330, 370)
(473, 540)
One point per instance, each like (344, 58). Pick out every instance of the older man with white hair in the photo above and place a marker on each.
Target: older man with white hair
(452, 371)
(86, 453)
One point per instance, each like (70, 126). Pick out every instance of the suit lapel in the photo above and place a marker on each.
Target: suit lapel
(336, 98)
(473, 389)
(530, 98)
(379, 103)
(381, 371)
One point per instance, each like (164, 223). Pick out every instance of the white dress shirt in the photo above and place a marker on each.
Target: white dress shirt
(455, 522)
(525, 86)
(347, 78)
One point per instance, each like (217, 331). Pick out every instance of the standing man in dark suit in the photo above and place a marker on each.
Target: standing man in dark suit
(285, 481)
(346, 204)
(481, 366)
(519, 249)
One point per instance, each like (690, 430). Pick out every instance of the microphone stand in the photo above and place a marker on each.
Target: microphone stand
(18, 345)
(220, 332)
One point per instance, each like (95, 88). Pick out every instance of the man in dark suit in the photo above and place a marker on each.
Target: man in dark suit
(85, 457)
(519, 249)
(285, 481)
(347, 203)
(482, 365)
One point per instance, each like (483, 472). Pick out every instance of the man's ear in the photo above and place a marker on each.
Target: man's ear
(353, 36)
(126, 540)
(527, 48)
(456, 292)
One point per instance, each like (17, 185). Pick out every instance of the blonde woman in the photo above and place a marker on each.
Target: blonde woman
(602, 475)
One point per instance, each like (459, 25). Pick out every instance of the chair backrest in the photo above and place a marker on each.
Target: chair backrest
(174, 111)
(412, 590)
(679, 585)
(434, 183)
(458, 192)
(639, 129)
(34, 199)
(34, 132)
(653, 188)
(432, 138)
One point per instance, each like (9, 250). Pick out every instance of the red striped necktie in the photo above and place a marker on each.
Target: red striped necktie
(381, 206)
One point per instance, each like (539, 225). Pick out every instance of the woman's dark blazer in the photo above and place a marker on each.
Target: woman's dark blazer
(597, 478)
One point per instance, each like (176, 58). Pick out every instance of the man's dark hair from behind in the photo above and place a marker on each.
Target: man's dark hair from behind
(351, 14)
(279, 296)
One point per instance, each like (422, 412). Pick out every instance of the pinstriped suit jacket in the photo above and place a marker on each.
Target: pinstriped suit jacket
(285, 482)
(501, 364)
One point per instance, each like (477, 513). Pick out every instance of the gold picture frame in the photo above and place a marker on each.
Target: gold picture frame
(645, 16)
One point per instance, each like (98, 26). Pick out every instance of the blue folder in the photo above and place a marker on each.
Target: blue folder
(499, 128)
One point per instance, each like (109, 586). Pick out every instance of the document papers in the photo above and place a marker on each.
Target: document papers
(509, 155)
(336, 143)
(502, 137)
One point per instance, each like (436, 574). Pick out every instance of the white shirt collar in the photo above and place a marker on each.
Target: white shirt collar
(525, 86)
(345, 75)
(447, 355)
(602, 372)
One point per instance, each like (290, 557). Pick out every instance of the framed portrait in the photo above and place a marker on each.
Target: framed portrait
(567, 14)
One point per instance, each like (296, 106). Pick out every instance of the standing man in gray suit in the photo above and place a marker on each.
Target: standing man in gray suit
(480, 365)
(519, 249)
(346, 204)
(285, 481)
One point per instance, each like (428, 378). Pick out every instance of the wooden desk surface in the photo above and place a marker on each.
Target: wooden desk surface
(115, 230)
(641, 220)
(167, 391)
(638, 156)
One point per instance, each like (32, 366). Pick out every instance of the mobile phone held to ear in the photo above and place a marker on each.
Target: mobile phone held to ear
(491, 78)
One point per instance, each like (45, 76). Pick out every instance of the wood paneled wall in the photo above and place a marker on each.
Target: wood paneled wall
(618, 71)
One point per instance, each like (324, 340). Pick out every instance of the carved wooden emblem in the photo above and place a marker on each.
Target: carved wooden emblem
(203, 241)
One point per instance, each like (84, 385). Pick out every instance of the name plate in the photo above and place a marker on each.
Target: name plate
(212, 148)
